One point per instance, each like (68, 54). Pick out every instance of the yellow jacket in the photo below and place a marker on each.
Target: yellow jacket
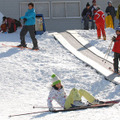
(109, 21)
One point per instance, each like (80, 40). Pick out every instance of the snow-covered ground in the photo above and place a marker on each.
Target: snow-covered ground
(25, 79)
(100, 44)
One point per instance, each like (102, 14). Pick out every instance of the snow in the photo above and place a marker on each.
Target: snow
(100, 44)
(25, 79)
(87, 60)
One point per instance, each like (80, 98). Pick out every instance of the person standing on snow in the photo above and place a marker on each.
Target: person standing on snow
(93, 7)
(58, 94)
(110, 10)
(86, 14)
(99, 18)
(116, 49)
(29, 25)
(118, 14)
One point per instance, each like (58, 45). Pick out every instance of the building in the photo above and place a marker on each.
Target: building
(59, 14)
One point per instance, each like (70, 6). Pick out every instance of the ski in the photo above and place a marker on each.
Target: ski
(67, 110)
(113, 101)
(17, 47)
(85, 107)
(106, 102)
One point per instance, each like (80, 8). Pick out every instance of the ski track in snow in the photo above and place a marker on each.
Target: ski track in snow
(25, 79)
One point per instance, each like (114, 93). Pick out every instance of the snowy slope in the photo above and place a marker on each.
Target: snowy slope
(100, 44)
(25, 80)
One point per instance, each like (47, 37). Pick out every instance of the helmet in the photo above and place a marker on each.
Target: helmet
(118, 28)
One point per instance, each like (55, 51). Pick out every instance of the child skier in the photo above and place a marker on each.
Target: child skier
(100, 22)
(58, 94)
(116, 49)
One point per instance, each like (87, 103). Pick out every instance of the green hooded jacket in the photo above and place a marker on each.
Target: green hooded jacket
(118, 13)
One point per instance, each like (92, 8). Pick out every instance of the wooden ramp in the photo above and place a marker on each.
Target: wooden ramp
(87, 56)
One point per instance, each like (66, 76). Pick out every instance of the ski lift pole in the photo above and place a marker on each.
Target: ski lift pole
(107, 53)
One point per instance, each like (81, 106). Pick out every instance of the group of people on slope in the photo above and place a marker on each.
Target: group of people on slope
(94, 13)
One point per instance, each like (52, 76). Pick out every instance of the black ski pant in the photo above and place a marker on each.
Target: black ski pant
(116, 60)
(86, 23)
(31, 30)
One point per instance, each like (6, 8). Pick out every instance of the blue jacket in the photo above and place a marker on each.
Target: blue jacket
(30, 15)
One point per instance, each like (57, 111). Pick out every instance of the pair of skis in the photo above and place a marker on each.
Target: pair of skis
(106, 104)
(13, 46)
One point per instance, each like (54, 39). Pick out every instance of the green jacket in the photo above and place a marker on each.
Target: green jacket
(118, 13)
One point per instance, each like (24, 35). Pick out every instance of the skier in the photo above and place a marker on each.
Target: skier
(86, 14)
(58, 94)
(10, 24)
(116, 49)
(118, 14)
(29, 20)
(99, 18)
(93, 7)
(110, 10)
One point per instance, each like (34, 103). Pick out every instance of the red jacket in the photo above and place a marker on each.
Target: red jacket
(99, 17)
(116, 47)
(10, 21)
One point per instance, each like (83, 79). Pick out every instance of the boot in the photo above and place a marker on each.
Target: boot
(21, 45)
(96, 101)
(115, 71)
(35, 48)
(99, 37)
(104, 37)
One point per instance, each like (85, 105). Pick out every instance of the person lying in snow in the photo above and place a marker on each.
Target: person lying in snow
(116, 49)
(58, 94)
(10, 25)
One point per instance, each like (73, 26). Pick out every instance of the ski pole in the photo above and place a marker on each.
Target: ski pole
(28, 113)
(43, 107)
(107, 53)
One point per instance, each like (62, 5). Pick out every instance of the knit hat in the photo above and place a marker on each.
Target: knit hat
(109, 2)
(94, 1)
(87, 4)
(55, 80)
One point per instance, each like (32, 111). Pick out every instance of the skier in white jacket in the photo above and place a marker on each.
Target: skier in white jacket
(58, 94)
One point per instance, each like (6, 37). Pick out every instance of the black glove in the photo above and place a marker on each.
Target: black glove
(25, 19)
(114, 39)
